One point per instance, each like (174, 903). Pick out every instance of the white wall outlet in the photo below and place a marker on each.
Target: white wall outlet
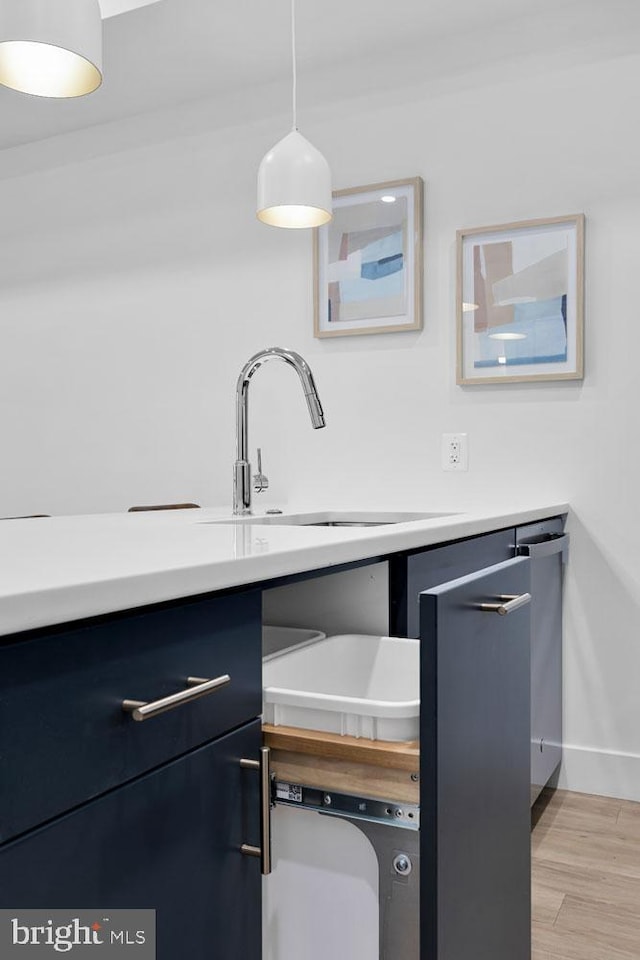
(455, 451)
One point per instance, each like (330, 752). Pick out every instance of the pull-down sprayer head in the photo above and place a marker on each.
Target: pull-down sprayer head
(311, 396)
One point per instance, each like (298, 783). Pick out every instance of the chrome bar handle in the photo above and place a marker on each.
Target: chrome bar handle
(545, 548)
(250, 851)
(265, 826)
(508, 603)
(198, 687)
(264, 850)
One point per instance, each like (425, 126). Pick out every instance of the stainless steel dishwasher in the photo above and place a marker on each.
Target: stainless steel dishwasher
(546, 544)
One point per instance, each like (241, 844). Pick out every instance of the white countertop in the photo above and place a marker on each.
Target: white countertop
(59, 569)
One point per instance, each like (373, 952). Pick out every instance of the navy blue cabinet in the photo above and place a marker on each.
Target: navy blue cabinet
(411, 573)
(546, 545)
(474, 767)
(101, 811)
(168, 841)
(64, 736)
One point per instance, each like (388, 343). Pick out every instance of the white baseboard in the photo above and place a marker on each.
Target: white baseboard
(606, 773)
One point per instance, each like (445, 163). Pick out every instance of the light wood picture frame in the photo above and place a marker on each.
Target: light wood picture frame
(520, 302)
(368, 261)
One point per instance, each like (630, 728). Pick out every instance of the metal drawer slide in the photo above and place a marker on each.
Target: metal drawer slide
(390, 813)
(397, 852)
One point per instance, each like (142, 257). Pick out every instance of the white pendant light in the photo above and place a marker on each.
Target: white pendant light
(294, 179)
(51, 48)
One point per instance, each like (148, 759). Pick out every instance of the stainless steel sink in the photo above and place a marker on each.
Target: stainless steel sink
(334, 519)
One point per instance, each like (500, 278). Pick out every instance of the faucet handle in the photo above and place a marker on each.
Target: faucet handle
(260, 482)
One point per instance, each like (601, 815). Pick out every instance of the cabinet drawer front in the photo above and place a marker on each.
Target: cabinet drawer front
(532, 531)
(170, 842)
(412, 574)
(475, 825)
(64, 736)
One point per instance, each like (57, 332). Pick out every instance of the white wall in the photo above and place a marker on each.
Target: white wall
(135, 281)
(353, 601)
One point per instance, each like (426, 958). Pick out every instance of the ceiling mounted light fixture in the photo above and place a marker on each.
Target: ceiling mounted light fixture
(294, 179)
(51, 48)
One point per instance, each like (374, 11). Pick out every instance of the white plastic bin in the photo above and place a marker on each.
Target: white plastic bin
(279, 640)
(351, 684)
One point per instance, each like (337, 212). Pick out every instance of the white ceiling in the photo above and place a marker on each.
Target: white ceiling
(170, 52)
(111, 8)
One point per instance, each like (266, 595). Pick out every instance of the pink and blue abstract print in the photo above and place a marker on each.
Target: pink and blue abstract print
(367, 268)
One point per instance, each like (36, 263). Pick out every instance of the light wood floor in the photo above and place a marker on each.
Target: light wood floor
(586, 878)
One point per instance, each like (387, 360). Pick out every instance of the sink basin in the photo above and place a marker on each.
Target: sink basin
(354, 685)
(334, 519)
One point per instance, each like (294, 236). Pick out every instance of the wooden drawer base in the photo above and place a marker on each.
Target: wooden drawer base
(370, 768)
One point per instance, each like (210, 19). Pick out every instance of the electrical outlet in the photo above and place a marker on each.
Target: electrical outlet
(455, 451)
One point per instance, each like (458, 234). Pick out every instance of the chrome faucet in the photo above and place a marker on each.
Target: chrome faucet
(242, 467)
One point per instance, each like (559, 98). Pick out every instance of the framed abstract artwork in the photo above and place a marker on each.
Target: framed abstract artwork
(520, 302)
(368, 261)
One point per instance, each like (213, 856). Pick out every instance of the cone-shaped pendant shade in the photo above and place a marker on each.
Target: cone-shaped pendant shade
(51, 48)
(294, 185)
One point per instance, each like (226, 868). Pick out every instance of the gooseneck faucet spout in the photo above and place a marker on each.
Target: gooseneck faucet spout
(242, 467)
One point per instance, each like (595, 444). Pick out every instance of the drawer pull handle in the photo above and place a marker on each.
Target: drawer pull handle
(507, 604)
(264, 850)
(198, 687)
(545, 548)
(250, 851)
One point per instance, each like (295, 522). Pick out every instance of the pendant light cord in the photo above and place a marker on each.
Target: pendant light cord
(293, 64)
